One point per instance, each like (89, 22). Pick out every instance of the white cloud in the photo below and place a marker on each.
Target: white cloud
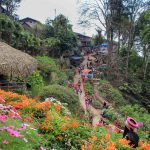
(42, 9)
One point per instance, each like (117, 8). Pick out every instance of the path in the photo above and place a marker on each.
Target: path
(95, 112)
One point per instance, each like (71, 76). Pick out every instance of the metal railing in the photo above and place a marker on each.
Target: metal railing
(12, 85)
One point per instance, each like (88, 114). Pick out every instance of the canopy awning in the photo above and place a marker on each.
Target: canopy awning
(86, 70)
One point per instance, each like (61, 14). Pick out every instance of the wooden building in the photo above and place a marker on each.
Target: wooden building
(85, 41)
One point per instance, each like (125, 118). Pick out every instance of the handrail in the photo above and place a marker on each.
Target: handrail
(12, 85)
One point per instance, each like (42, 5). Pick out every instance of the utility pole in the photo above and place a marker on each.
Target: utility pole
(55, 11)
(0, 3)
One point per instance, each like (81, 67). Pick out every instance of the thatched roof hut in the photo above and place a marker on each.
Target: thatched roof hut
(15, 63)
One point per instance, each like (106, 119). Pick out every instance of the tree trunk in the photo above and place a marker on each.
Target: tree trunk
(146, 64)
(130, 44)
(110, 52)
(118, 41)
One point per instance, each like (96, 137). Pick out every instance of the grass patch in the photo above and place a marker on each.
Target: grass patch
(110, 93)
(63, 94)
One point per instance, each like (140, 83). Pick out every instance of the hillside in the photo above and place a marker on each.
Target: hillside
(63, 90)
(48, 124)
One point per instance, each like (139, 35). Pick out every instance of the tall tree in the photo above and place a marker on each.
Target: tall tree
(134, 9)
(145, 35)
(60, 29)
(98, 39)
(117, 17)
(10, 5)
(104, 14)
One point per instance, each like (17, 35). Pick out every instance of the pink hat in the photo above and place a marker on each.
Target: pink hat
(131, 123)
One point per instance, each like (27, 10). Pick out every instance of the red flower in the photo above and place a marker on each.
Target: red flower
(58, 107)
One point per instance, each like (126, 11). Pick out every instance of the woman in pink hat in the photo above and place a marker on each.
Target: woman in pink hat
(130, 129)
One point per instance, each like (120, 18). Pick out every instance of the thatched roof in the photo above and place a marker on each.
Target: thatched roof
(14, 62)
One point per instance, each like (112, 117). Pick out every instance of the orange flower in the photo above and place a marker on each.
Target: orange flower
(107, 137)
(111, 146)
(66, 118)
(123, 142)
(82, 147)
(47, 103)
(74, 124)
(93, 138)
(145, 145)
(58, 107)
(10, 114)
(90, 146)
(87, 125)
(100, 147)
(63, 129)
(48, 117)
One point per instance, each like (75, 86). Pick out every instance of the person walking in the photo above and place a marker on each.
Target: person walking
(79, 83)
(87, 64)
(87, 102)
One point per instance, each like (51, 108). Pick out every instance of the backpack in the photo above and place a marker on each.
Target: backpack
(133, 138)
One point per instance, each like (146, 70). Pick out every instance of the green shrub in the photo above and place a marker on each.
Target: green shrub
(62, 78)
(89, 88)
(110, 93)
(117, 97)
(111, 115)
(47, 64)
(13, 33)
(36, 82)
(50, 70)
(63, 94)
(135, 88)
(137, 112)
(96, 104)
(70, 74)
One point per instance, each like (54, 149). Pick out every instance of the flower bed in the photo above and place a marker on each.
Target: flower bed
(29, 124)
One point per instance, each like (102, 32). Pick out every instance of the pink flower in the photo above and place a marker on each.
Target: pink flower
(38, 134)
(11, 127)
(5, 142)
(14, 133)
(110, 130)
(1, 100)
(3, 118)
(23, 126)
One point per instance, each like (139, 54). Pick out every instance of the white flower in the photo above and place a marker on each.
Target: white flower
(25, 140)
(58, 102)
(32, 128)
(42, 148)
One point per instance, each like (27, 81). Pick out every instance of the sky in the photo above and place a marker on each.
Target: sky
(42, 9)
